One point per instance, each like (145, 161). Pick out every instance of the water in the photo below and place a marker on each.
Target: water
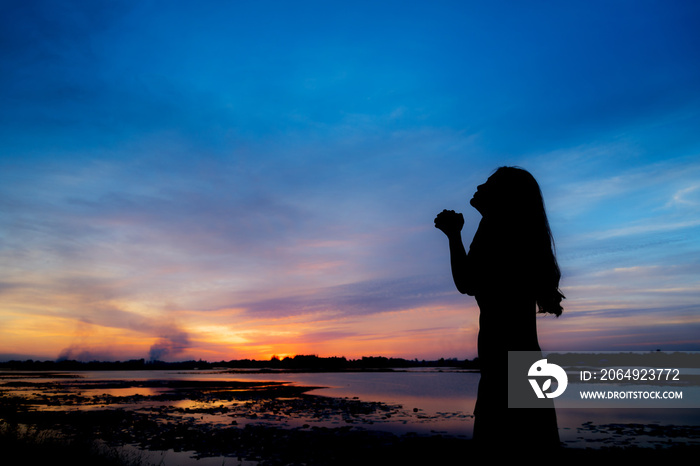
(429, 400)
(425, 402)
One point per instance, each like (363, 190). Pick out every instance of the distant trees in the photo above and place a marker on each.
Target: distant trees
(298, 362)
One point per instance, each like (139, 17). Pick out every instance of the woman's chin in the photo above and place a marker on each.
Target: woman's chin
(477, 205)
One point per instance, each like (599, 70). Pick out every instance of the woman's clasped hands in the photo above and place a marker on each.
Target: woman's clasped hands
(449, 222)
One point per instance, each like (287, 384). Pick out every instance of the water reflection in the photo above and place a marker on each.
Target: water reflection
(424, 402)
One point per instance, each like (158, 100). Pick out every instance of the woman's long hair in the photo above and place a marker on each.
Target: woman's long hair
(516, 197)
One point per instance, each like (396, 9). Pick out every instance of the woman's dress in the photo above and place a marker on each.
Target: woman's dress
(500, 271)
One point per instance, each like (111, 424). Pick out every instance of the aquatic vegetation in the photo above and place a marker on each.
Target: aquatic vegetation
(27, 444)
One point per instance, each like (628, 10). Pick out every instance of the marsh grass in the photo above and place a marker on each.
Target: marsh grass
(28, 445)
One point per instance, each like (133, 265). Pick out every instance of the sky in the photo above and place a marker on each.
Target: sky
(226, 180)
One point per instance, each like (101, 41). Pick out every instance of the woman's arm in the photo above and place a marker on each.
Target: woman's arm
(451, 223)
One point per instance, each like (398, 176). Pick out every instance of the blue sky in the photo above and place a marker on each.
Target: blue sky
(240, 179)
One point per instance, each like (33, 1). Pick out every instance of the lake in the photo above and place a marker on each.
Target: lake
(424, 402)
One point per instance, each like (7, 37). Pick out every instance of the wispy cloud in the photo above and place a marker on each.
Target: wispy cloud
(188, 180)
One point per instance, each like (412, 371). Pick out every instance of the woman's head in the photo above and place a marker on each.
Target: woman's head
(510, 192)
(512, 201)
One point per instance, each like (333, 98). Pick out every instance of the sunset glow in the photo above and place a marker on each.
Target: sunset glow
(231, 180)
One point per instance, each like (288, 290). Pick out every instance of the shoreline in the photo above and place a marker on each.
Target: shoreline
(271, 446)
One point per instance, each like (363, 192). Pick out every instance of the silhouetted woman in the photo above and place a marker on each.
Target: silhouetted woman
(512, 272)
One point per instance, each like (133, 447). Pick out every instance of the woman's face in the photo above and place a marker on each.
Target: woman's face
(483, 196)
